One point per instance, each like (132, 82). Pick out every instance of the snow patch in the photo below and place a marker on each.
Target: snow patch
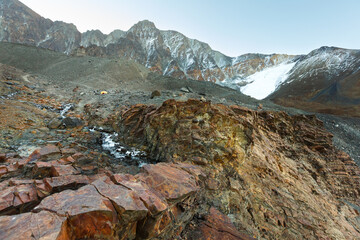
(65, 109)
(263, 83)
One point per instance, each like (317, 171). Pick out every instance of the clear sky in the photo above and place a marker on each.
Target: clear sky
(233, 27)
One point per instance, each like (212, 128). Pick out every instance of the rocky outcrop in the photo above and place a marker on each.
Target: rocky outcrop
(158, 202)
(275, 175)
(222, 173)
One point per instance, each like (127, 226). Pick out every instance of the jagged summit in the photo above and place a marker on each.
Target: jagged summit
(144, 24)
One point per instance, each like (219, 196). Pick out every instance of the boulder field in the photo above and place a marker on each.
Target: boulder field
(221, 172)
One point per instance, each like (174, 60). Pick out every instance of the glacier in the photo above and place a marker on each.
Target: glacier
(261, 84)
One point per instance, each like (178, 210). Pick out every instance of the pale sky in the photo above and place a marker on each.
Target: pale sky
(233, 27)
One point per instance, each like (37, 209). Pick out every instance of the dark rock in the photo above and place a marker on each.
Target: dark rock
(155, 93)
(72, 122)
(2, 157)
(55, 123)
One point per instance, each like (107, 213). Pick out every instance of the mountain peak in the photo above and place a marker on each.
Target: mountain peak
(144, 24)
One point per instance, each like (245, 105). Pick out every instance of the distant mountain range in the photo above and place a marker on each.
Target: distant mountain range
(327, 75)
(167, 52)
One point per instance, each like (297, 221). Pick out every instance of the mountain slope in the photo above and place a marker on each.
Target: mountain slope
(20, 24)
(325, 80)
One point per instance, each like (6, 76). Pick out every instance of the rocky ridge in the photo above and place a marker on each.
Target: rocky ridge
(171, 53)
(167, 52)
(20, 24)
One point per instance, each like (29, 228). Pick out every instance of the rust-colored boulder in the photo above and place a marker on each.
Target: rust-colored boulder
(17, 199)
(57, 184)
(153, 202)
(127, 202)
(48, 152)
(89, 215)
(63, 170)
(3, 170)
(44, 225)
(42, 169)
(170, 182)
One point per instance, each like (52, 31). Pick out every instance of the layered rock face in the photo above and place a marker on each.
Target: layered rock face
(73, 204)
(277, 176)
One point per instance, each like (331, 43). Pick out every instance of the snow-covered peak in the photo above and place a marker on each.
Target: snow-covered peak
(326, 62)
(143, 26)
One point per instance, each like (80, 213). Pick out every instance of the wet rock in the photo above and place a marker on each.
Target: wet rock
(72, 122)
